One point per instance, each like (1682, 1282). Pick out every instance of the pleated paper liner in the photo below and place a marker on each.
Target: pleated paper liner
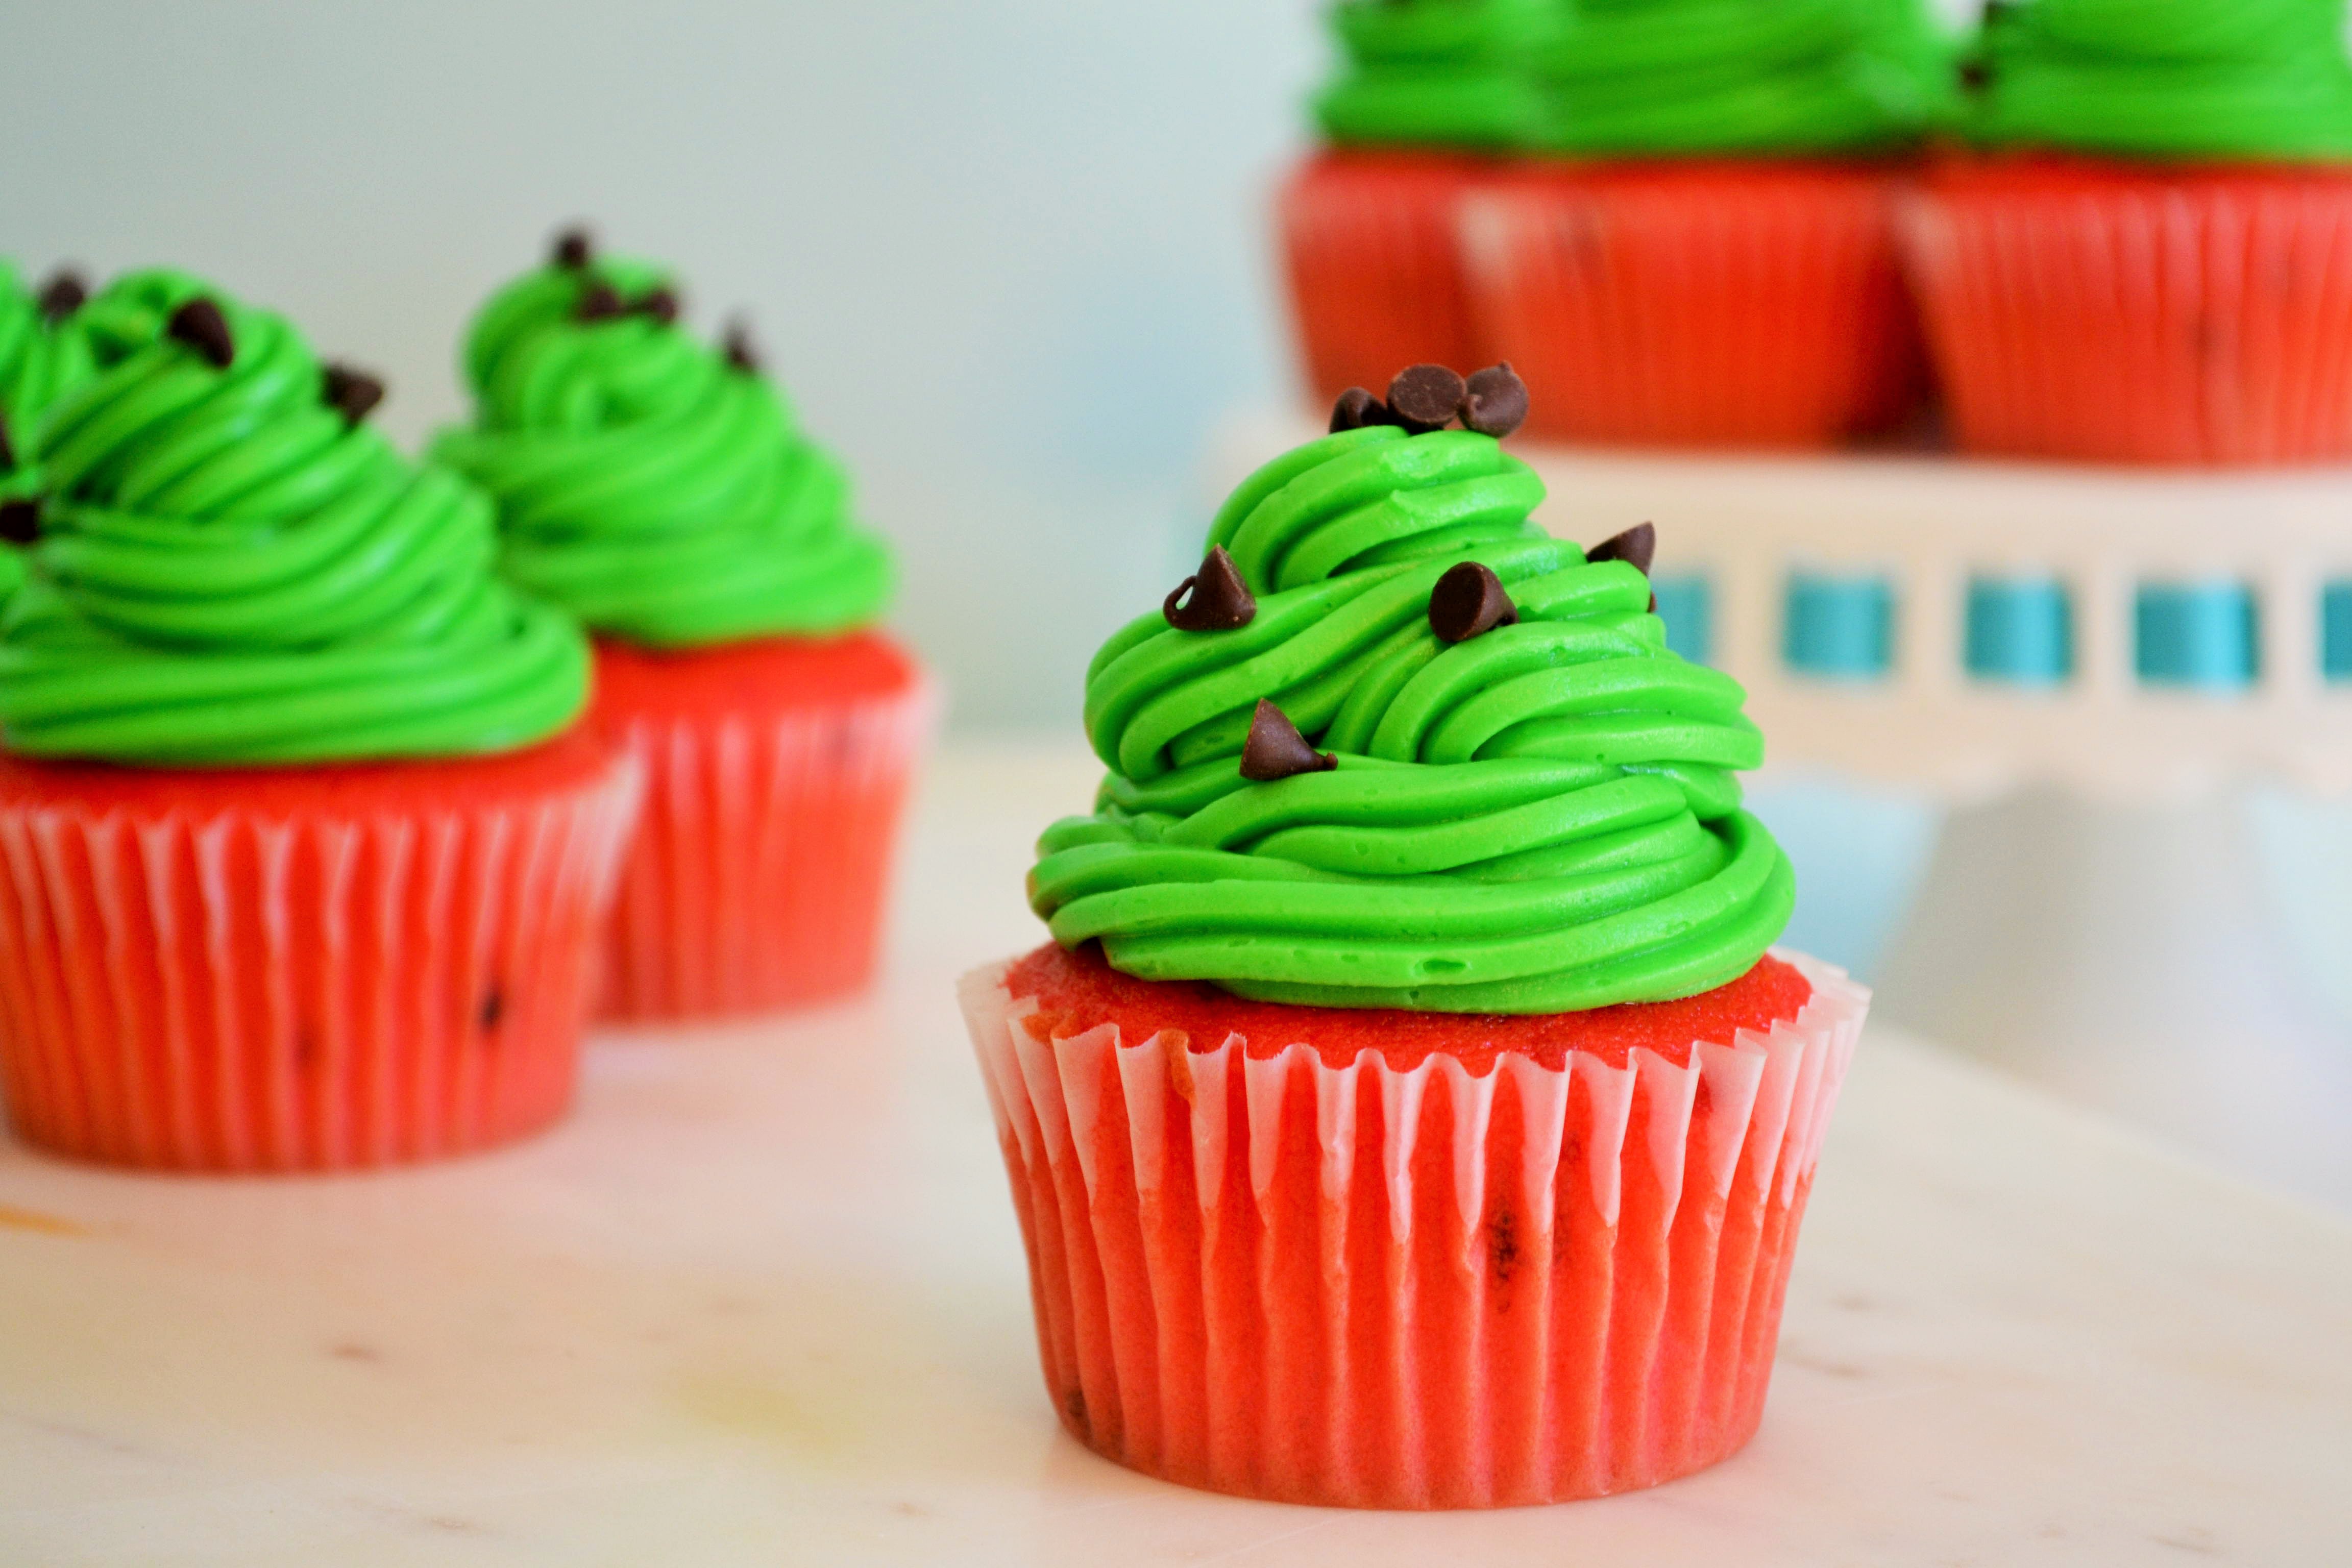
(301, 969)
(1257, 1272)
(1738, 303)
(2136, 313)
(1371, 240)
(776, 774)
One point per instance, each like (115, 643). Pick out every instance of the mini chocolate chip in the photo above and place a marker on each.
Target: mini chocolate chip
(63, 294)
(20, 520)
(1220, 599)
(661, 304)
(493, 1010)
(353, 393)
(1469, 600)
(1975, 74)
(1426, 397)
(1637, 547)
(1357, 408)
(200, 324)
(1276, 750)
(574, 248)
(1495, 402)
(8, 447)
(740, 352)
(599, 302)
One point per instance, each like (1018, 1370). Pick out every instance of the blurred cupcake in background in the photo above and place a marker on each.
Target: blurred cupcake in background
(2149, 257)
(1430, 94)
(1712, 258)
(659, 489)
(310, 856)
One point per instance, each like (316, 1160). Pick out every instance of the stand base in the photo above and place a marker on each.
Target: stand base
(2133, 959)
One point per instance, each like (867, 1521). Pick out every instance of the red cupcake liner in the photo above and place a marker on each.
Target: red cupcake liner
(1354, 1285)
(776, 772)
(1756, 304)
(2139, 314)
(1372, 243)
(301, 969)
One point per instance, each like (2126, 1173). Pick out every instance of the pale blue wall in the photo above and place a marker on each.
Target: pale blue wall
(1009, 257)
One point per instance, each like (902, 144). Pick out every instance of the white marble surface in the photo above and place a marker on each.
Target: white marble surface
(761, 1303)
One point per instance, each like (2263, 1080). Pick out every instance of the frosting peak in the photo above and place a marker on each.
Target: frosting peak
(654, 486)
(1674, 78)
(1436, 72)
(1521, 812)
(230, 570)
(43, 352)
(2187, 78)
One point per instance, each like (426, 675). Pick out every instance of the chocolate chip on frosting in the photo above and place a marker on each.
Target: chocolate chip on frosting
(741, 351)
(661, 304)
(1220, 600)
(1637, 547)
(1276, 750)
(1975, 71)
(1357, 408)
(353, 393)
(200, 324)
(8, 447)
(600, 301)
(1494, 401)
(1426, 397)
(63, 294)
(1467, 601)
(573, 249)
(20, 520)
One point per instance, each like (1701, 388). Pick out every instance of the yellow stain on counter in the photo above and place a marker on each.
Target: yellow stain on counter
(15, 1218)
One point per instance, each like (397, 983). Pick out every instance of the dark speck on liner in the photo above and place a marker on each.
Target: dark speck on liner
(1503, 1245)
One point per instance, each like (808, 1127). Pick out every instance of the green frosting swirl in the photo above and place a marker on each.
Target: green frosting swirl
(1538, 819)
(2168, 78)
(656, 491)
(229, 572)
(1436, 72)
(39, 360)
(1675, 78)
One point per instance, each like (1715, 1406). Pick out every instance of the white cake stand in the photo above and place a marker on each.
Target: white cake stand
(2142, 890)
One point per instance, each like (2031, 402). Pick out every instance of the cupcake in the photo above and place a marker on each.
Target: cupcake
(1408, 1111)
(1432, 93)
(2145, 257)
(658, 488)
(310, 858)
(1710, 257)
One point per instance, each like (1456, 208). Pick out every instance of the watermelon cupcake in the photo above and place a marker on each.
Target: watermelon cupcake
(2149, 256)
(657, 487)
(1409, 1111)
(1433, 93)
(308, 856)
(1710, 257)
